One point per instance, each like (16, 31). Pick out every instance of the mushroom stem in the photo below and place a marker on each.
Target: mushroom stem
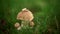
(25, 24)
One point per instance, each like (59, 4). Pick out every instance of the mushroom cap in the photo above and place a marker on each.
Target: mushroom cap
(25, 14)
(17, 25)
(32, 24)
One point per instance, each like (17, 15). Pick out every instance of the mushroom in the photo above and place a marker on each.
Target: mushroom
(17, 25)
(32, 24)
(25, 15)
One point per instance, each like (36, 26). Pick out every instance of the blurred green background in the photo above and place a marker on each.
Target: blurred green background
(46, 16)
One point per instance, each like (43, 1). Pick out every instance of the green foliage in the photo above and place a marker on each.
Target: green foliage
(46, 16)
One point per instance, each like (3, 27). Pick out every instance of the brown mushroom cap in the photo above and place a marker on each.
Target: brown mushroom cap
(25, 14)
(32, 24)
